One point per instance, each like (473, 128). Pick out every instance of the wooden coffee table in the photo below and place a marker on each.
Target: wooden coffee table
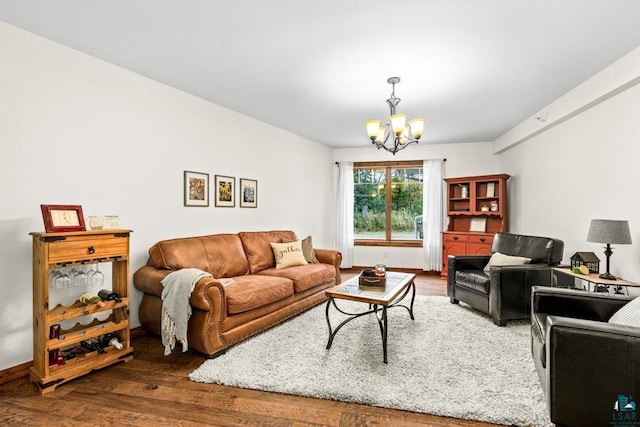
(379, 298)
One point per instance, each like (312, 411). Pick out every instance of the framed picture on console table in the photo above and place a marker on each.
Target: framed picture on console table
(196, 188)
(248, 193)
(225, 191)
(62, 218)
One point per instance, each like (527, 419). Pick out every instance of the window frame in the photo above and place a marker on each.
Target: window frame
(413, 243)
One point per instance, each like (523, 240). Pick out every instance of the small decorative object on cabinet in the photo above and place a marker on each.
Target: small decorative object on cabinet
(483, 206)
(588, 259)
(58, 354)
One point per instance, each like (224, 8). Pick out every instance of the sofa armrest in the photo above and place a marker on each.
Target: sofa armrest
(589, 364)
(332, 257)
(510, 289)
(207, 294)
(575, 303)
(462, 262)
(148, 279)
(466, 262)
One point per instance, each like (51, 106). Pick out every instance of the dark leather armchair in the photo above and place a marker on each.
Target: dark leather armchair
(504, 293)
(584, 363)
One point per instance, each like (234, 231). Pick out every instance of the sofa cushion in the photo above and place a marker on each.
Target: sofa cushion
(304, 276)
(249, 292)
(222, 255)
(499, 259)
(307, 250)
(288, 254)
(477, 280)
(258, 249)
(628, 314)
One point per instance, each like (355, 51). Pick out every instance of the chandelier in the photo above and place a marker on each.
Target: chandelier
(396, 129)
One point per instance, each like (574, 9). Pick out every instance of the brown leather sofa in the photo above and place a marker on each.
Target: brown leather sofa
(258, 297)
(584, 363)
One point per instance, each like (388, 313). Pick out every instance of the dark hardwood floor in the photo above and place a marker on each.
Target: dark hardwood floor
(155, 390)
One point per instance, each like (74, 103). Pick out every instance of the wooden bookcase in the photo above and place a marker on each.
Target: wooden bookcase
(477, 209)
(56, 250)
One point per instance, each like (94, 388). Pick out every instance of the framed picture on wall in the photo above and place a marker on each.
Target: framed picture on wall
(62, 218)
(248, 193)
(225, 191)
(196, 188)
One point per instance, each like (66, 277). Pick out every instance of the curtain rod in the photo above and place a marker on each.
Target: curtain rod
(444, 160)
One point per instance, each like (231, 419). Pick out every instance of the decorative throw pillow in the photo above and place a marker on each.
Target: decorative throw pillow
(307, 250)
(628, 314)
(288, 254)
(501, 259)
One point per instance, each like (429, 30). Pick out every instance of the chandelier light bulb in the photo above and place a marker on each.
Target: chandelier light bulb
(397, 130)
(417, 127)
(373, 127)
(404, 136)
(398, 122)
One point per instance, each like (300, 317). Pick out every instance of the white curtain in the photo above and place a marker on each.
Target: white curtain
(344, 217)
(433, 213)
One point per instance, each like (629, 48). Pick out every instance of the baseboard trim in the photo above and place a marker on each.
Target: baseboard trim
(358, 269)
(15, 372)
(22, 370)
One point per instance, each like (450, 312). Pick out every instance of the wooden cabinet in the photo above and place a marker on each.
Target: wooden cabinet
(476, 210)
(63, 250)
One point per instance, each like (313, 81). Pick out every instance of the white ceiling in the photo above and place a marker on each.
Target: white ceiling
(472, 68)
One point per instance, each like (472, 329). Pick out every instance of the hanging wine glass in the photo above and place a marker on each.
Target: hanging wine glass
(53, 275)
(79, 278)
(90, 274)
(72, 273)
(63, 283)
(55, 292)
(97, 278)
(62, 280)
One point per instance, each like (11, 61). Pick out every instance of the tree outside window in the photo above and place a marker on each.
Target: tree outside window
(388, 201)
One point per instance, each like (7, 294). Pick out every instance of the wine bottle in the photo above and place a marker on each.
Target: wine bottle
(111, 339)
(91, 299)
(54, 331)
(55, 358)
(92, 345)
(107, 295)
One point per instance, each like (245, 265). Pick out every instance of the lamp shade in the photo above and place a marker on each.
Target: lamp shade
(417, 127)
(398, 122)
(373, 127)
(609, 231)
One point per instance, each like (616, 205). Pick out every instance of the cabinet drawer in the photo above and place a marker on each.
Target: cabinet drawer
(460, 238)
(78, 248)
(483, 239)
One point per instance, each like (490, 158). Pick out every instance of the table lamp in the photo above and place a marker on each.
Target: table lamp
(609, 231)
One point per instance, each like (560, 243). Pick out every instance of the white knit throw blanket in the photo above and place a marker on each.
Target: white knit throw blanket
(176, 309)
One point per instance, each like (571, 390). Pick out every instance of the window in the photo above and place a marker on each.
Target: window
(388, 203)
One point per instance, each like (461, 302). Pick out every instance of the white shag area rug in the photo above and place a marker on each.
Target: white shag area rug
(451, 361)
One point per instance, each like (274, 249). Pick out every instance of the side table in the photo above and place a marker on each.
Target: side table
(599, 285)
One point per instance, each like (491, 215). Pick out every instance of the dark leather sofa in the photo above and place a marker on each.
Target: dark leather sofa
(504, 293)
(584, 363)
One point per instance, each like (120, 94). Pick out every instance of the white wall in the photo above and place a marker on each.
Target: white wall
(77, 130)
(580, 164)
(466, 159)
(583, 168)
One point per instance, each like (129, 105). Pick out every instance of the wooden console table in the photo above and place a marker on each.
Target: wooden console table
(599, 285)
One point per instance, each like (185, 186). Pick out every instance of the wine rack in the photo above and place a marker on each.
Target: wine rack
(55, 250)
